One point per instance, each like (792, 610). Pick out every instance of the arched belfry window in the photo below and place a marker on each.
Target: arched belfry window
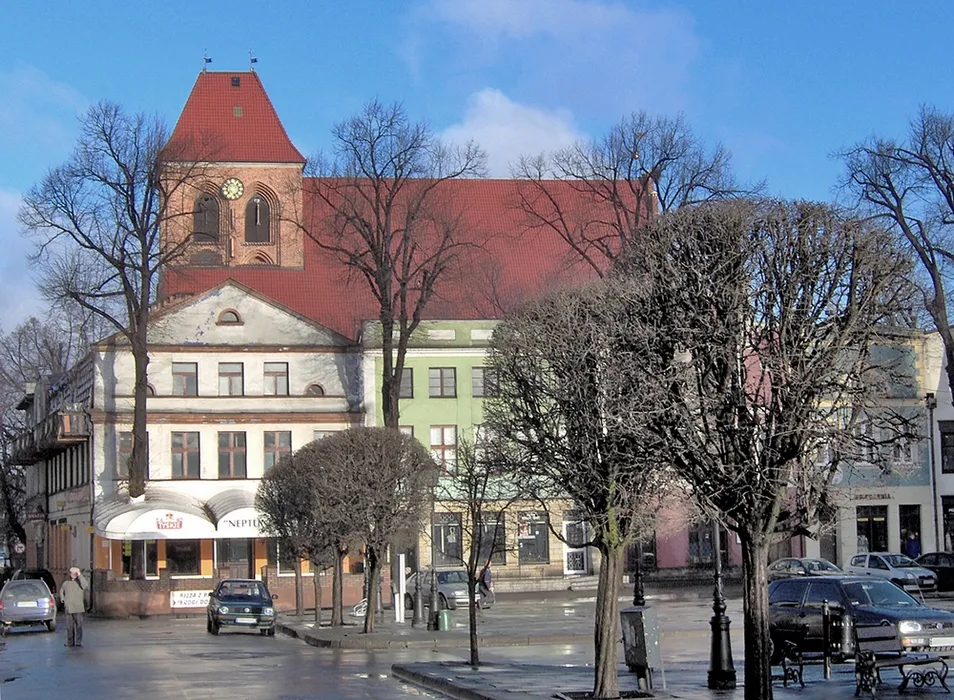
(205, 219)
(256, 220)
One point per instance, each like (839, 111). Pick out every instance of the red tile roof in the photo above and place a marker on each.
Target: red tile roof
(238, 119)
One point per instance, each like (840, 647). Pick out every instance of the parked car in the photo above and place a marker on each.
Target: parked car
(795, 613)
(792, 566)
(897, 568)
(942, 564)
(38, 575)
(451, 590)
(242, 603)
(27, 602)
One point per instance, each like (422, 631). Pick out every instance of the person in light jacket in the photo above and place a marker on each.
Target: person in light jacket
(73, 595)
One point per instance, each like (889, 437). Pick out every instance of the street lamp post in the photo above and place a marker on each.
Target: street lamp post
(639, 597)
(930, 401)
(721, 668)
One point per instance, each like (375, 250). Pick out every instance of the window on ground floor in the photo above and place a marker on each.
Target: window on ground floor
(279, 557)
(533, 536)
(872, 524)
(140, 559)
(183, 557)
(445, 540)
(493, 539)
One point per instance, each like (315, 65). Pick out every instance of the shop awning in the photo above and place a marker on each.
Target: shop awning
(153, 519)
(234, 514)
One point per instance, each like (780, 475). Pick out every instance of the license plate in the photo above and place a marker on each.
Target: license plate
(27, 604)
(245, 620)
(942, 641)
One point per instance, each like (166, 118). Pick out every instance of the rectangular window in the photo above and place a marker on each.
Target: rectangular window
(277, 443)
(185, 379)
(140, 559)
(276, 379)
(231, 379)
(445, 540)
(442, 382)
(872, 523)
(183, 557)
(322, 434)
(533, 537)
(407, 430)
(124, 454)
(407, 384)
(444, 447)
(279, 556)
(493, 539)
(185, 455)
(483, 382)
(231, 455)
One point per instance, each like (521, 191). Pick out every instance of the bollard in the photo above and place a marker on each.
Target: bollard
(432, 620)
(418, 619)
(826, 638)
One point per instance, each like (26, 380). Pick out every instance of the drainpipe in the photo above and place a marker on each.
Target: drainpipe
(930, 401)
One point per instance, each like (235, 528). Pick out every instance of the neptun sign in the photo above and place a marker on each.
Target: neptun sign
(243, 522)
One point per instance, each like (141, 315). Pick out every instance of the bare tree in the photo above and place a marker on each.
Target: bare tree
(757, 325)
(388, 215)
(96, 221)
(480, 491)
(909, 184)
(596, 195)
(567, 411)
(385, 478)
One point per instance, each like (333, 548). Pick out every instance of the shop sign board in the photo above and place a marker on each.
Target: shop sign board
(188, 599)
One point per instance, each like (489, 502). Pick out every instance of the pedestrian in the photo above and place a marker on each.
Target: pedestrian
(485, 584)
(912, 545)
(73, 595)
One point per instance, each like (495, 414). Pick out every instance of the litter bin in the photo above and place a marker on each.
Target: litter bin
(443, 620)
(641, 643)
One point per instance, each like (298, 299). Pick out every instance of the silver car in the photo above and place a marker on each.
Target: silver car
(902, 571)
(27, 602)
(451, 590)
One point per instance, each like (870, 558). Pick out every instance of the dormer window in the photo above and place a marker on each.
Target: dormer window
(205, 219)
(315, 390)
(229, 317)
(256, 220)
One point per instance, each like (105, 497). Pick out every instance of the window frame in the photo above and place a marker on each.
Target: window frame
(237, 446)
(205, 216)
(124, 453)
(275, 377)
(406, 385)
(172, 545)
(186, 451)
(444, 453)
(445, 551)
(483, 387)
(182, 373)
(443, 385)
(539, 523)
(229, 376)
(273, 453)
(259, 232)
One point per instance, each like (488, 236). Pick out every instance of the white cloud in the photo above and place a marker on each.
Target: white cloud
(521, 18)
(18, 294)
(507, 130)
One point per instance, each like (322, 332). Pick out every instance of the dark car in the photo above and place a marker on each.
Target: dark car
(242, 603)
(793, 566)
(795, 613)
(27, 602)
(942, 564)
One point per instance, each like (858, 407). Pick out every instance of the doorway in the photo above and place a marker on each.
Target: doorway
(236, 555)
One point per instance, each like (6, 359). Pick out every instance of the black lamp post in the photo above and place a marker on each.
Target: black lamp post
(721, 668)
(930, 401)
(639, 597)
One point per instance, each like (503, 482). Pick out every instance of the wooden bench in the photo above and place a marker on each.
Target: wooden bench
(880, 647)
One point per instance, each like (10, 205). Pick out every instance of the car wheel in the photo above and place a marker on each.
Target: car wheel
(442, 602)
(51, 625)
(263, 632)
(208, 624)
(271, 631)
(775, 652)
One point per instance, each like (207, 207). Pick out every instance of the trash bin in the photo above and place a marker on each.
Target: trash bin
(443, 620)
(641, 643)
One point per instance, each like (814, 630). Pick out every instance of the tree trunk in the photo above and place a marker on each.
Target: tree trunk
(390, 378)
(606, 625)
(372, 565)
(472, 621)
(337, 604)
(299, 589)
(138, 467)
(316, 580)
(758, 671)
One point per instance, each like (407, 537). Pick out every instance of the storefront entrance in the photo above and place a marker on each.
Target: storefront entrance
(235, 557)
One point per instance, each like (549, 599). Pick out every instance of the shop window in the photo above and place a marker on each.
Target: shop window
(124, 454)
(442, 382)
(231, 379)
(140, 559)
(493, 539)
(183, 557)
(232, 455)
(236, 556)
(445, 540)
(872, 523)
(407, 384)
(185, 379)
(276, 379)
(185, 455)
(277, 443)
(280, 557)
(483, 382)
(533, 537)
(205, 219)
(946, 428)
(444, 447)
(257, 220)
(700, 544)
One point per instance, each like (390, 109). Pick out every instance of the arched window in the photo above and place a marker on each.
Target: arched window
(256, 220)
(205, 219)
(315, 390)
(229, 317)
(150, 390)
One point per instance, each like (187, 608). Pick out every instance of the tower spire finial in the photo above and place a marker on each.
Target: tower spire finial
(205, 60)
(251, 60)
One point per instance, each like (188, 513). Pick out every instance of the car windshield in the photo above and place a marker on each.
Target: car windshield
(26, 589)
(451, 577)
(242, 590)
(862, 593)
(819, 565)
(899, 561)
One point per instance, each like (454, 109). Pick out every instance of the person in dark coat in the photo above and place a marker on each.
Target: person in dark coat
(912, 545)
(73, 595)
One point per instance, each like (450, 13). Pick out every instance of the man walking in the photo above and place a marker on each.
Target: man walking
(73, 595)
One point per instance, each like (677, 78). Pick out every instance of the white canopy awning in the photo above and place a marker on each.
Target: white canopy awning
(152, 520)
(234, 514)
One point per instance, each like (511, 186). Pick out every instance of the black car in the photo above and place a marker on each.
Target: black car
(242, 603)
(804, 566)
(795, 613)
(942, 564)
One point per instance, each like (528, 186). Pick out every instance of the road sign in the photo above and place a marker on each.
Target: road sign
(19, 548)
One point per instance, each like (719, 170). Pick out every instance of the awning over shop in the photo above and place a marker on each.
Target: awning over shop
(234, 514)
(153, 519)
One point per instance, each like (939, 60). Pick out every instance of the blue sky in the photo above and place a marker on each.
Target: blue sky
(781, 85)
